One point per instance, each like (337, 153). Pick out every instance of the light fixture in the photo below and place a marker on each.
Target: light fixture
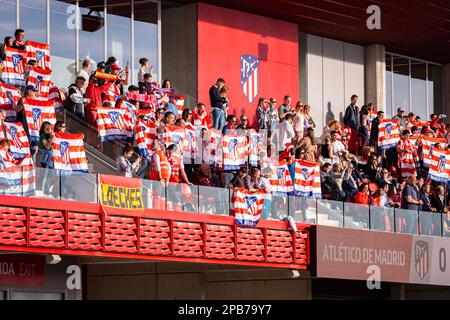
(53, 258)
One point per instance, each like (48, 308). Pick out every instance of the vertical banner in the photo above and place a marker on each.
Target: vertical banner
(120, 195)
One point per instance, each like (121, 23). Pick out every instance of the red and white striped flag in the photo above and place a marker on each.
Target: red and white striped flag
(212, 148)
(440, 165)
(427, 143)
(388, 134)
(307, 179)
(17, 176)
(174, 135)
(191, 143)
(69, 155)
(406, 153)
(248, 206)
(37, 112)
(234, 149)
(145, 134)
(256, 144)
(113, 124)
(179, 102)
(15, 133)
(9, 97)
(55, 96)
(40, 79)
(14, 67)
(281, 181)
(39, 52)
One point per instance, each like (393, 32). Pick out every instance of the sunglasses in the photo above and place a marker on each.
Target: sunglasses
(244, 119)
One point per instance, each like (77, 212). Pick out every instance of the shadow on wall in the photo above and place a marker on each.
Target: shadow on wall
(341, 117)
(330, 115)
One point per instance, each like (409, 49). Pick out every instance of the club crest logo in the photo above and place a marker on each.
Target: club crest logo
(251, 203)
(388, 128)
(250, 77)
(233, 148)
(37, 120)
(39, 55)
(17, 61)
(64, 152)
(305, 173)
(421, 258)
(116, 119)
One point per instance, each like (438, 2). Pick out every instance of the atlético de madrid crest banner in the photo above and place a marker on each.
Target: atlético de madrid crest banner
(120, 195)
(250, 76)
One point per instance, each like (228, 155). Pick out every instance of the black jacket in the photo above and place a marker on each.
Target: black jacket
(2, 52)
(437, 203)
(216, 100)
(374, 130)
(351, 117)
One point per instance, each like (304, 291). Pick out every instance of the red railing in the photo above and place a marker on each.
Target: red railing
(75, 228)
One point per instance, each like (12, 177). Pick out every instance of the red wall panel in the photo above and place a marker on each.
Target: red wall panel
(225, 35)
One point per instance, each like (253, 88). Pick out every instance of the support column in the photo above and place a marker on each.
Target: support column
(375, 74)
(446, 106)
(179, 49)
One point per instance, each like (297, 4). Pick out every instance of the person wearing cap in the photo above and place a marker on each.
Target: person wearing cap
(399, 117)
(77, 102)
(30, 93)
(94, 93)
(115, 89)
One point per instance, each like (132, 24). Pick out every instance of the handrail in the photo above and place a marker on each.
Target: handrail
(216, 201)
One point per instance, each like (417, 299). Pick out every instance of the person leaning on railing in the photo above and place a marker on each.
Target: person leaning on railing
(124, 165)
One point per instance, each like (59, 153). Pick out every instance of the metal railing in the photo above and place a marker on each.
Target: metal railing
(217, 201)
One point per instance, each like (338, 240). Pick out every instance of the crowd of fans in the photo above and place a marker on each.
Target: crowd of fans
(353, 168)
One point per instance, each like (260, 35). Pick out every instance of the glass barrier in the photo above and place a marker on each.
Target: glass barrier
(82, 188)
(213, 200)
(445, 221)
(382, 219)
(154, 194)
(430, 223)
(275, 207)
(330, 213)
(303, 209)
(182, 197)
(47, 184)
(406, 221)
(356, 216)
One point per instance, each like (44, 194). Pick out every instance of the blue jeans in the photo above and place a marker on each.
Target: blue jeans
(218, 118)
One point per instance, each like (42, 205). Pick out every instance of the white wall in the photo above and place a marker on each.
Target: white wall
(334, 71)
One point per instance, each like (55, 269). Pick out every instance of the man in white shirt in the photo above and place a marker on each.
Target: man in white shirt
(284, 132)
(338, 146)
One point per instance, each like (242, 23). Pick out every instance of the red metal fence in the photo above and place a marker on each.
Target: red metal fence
(73, 228)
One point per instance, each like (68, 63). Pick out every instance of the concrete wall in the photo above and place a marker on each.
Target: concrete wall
(331, 72)
(191, 281)
(179, 49)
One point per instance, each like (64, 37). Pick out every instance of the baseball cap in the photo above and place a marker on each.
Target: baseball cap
(101, 65)
(115, 67)
(400, 110)
(32, 88)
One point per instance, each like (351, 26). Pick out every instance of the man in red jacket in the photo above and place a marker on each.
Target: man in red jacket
(94, 93)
